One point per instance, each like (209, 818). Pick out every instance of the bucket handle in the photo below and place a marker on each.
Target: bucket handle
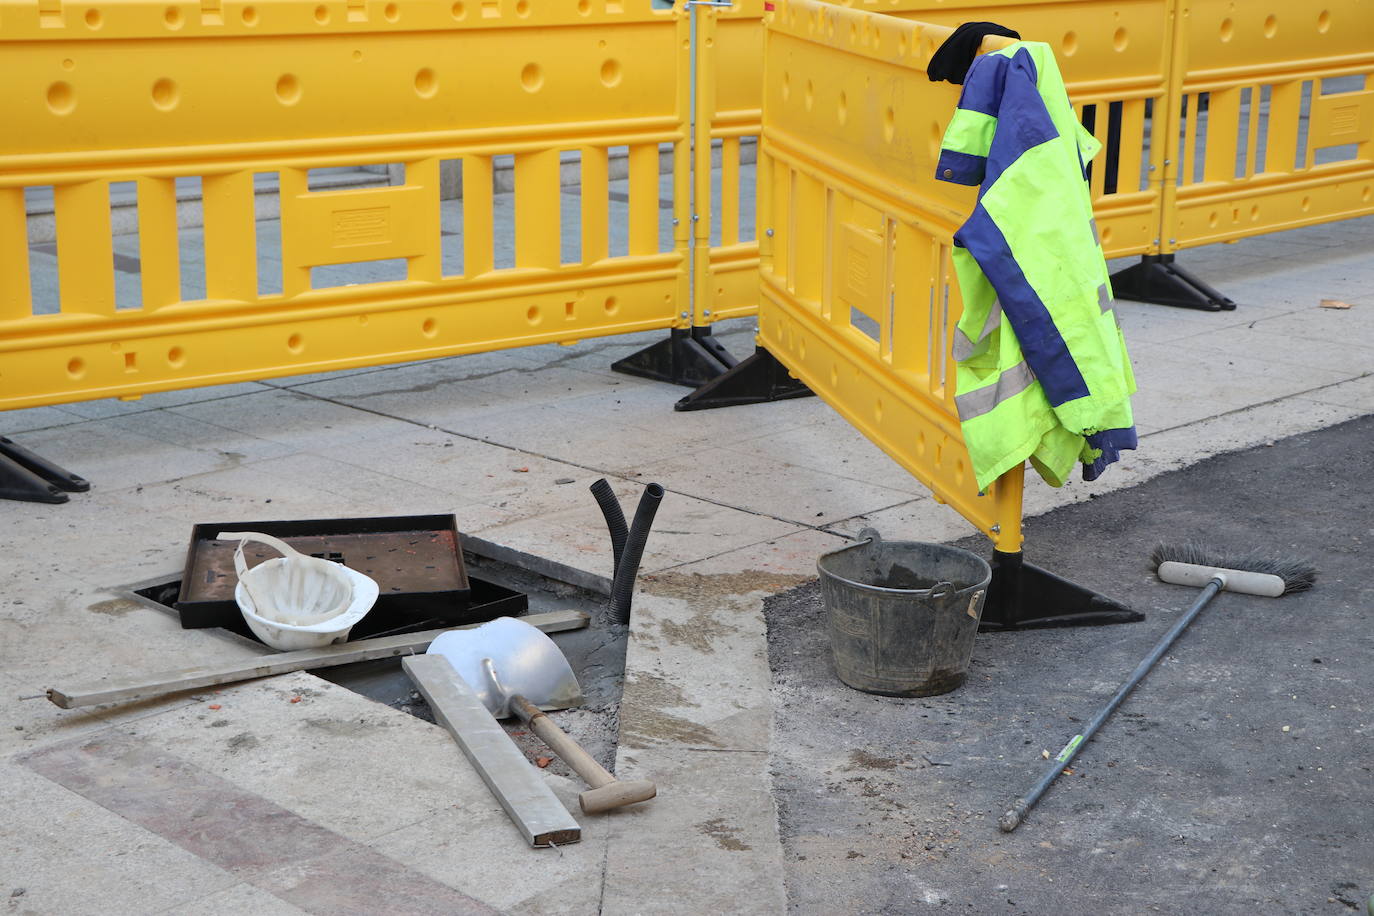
(871, 535)
(942, 591)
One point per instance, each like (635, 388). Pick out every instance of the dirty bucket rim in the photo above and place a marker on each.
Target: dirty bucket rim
(985, 569)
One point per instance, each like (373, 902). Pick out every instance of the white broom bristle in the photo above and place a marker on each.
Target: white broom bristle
(1297, 575)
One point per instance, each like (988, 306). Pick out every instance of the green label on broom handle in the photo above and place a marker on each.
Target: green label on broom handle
(1069, 748)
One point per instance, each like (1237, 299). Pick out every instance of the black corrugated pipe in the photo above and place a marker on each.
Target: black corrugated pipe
(615, 520)
(623, 589)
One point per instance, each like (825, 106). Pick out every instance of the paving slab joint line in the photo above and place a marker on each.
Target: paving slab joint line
(771, 540)
(572, 464)
(1243, 409)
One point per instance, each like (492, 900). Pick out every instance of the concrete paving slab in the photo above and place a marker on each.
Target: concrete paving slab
(292, 418)
(72, 856)
(241, 898)
(113, 407)
(114, 454)
(810, 498)
(13, 422)
(920, 519)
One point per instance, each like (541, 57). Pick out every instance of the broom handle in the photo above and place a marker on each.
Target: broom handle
(1021, 807)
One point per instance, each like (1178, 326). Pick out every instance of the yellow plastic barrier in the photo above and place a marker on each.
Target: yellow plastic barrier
(239, 94)
(859, 297)
(1284, 95)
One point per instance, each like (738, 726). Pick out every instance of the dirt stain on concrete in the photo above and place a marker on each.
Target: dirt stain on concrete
(115, 607)
(725, 835)
(347, 728)
(700, 586)
(644, 722)
(863, 760)
(242, 742)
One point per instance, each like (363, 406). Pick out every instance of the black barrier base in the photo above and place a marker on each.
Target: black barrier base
(32, 478)
(1023, 596)
(757, 380)
(1158, 280)
(688, 356)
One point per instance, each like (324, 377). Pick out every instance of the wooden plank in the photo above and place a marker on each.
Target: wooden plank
(165, 682)
(517, 785)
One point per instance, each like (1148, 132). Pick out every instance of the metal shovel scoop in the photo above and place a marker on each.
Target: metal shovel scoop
(516, 670)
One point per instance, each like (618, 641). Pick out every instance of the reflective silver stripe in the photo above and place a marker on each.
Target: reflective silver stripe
(1092, 224)
(963, 347)
(1104, 298)
(1010, 383)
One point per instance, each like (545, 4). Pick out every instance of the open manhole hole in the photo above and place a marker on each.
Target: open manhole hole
(595, 652)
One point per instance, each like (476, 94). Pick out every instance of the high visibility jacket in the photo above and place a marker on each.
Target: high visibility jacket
(1042, 368)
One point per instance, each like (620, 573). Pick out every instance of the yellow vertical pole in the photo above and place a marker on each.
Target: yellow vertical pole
(1178, 12)
(85, 249)
(643, 199)
(682, 165)
(537, 208)
(159, 251)
(477, 216)
(231, 241)
(295, 274)
(703, 116)
(1006, 493)
(595, 204)
(16, 296)
(428, 266)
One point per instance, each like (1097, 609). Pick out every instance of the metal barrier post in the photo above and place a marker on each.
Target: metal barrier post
(691, 355)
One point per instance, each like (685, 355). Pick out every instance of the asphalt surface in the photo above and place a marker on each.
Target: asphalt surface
(1238, 778)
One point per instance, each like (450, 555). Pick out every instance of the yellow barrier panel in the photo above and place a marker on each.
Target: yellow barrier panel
(249, 100)
(1275, 116)
(859, 298)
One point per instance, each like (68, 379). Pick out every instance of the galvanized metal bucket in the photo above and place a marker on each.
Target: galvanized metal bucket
(902, 615)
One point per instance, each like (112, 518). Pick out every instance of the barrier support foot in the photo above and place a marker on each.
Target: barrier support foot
(1023, 596)
(757, 380)
(32, 478)
(688, 356)
(1158, 280)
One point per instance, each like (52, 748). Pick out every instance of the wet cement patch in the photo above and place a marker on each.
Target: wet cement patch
(1192, 799)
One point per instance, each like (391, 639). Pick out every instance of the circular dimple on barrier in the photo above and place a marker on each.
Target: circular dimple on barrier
(532, 77)
(295, 343)
(362, 319)
(1069, 43)
(1106, 234)
(172, 16)
(176, 357)
(288, 89)
(1212, 219)
(834, 376)
(920, 445)
(322, 15)
(1228, 29)
(801, 349)
(61, 98)
(610, 72)
(878, 410)
(532, 316)
(392, 12)
(786, 86)
(1254, 213)
(250, 15)
(93, 18)
(76, 367)
(901, 45)
(889, 123)
(1271, 26)
(165, 94)
(430, 327)
(522, 8)
(457, 11)
(357, 55)
(426, 83)
(1120, 40)
(1365, 195)
(1324, 21)
(68, 64)
(584, 7)
(1306, 204)
(611, 305)
(809, 98)
(936, 135)
(842, 109)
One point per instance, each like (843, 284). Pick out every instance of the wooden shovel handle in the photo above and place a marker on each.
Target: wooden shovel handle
(593, 773)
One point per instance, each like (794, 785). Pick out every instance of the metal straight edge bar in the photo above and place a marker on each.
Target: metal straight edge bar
(518, 786)
(178, 679)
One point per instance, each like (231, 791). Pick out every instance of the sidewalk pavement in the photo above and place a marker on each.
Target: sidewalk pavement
(293, 795)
